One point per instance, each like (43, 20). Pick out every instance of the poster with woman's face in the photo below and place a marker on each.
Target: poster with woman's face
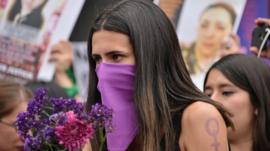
(28, 28)
(23, 19)
(202, 27)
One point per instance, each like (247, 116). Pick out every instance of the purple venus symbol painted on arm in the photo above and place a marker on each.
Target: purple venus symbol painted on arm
(212, 128)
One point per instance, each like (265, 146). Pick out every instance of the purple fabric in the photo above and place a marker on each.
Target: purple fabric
(116, 86)
(266, 60)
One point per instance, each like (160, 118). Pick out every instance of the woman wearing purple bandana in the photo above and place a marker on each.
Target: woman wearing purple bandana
(137, 69)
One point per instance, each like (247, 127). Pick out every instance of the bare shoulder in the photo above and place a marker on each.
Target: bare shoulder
(199, 116)
(203, 128)
(199, 111)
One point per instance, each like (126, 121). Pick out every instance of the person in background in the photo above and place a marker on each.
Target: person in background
(13, 100)
(62, 56)
(242, 84)
(215, 23)
(255, 50)
(137, 70)
(63, 83)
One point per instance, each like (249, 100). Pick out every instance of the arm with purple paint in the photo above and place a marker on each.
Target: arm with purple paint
(203, 129)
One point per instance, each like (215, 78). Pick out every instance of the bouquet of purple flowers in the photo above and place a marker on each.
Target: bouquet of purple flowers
(57, 124)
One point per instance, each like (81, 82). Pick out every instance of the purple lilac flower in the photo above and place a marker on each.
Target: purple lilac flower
(40, 94)
(77, 107)
(46, 122)
(58, 105)
(34, 107)
(32, 143)
(101, 117)
(24, 123)
(49, 134)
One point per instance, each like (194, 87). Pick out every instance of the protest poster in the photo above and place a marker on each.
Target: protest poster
(27, 31)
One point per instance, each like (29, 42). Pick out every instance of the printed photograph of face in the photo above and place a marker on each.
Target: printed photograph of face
(27, 12)
(214, 24)
(202, 28)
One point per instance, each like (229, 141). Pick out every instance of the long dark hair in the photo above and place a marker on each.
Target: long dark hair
(252, 75)
(162, 82)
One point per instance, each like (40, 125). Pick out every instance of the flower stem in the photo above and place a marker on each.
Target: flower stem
(48, 107)
(51, 149)
(49, 145)
(45, 113)
(102, 139)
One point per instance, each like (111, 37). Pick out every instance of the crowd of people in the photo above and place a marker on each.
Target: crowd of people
(138, 69)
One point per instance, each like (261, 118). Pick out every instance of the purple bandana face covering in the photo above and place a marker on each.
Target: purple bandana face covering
(116, 86)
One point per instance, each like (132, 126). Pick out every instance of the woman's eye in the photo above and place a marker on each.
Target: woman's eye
(221, 28)
(116, 57)
(97, 59)
(204, 25)
(227, 93)
(208, 94)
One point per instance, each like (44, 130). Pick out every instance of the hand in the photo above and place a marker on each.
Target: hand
(230, 45)
(254, 49)
(62, 55)
(262, 21)
(87, 147)
(265, 54)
